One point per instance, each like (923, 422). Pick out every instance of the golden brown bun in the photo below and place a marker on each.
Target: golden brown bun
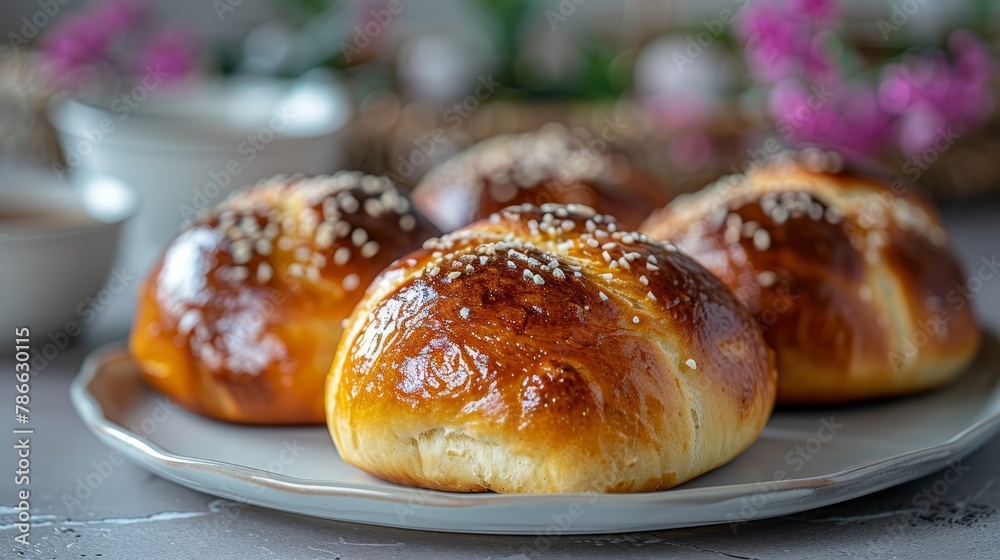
(551, 165)
(541, 350)
(850, 275)
(241, 316)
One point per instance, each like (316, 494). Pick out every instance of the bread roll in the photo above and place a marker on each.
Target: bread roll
(551, 165)
(241, 316)
(849, 274)
(544, 350)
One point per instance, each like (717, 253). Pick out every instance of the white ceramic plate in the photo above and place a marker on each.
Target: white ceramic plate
(805, 459)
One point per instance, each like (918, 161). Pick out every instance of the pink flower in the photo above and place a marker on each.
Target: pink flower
(787, 41)
(770, 39)
(973, 73)
(689, 150)
(788, 47)
(820, 11)
(170, 52)
(927, 93)
(844, 119)
(77, 39)
(118, 16)
(918, 129)
(71, 47)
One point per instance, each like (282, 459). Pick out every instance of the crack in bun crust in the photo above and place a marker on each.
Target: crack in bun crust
(543, 350)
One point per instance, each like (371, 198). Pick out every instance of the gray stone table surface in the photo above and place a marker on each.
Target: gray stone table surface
(134, 514)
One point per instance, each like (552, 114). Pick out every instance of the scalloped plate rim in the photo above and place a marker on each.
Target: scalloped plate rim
(851, 482)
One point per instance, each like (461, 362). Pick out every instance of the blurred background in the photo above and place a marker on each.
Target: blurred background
(179, 102)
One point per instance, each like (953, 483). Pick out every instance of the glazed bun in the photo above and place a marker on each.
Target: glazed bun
(543, 350)
(849, 274)
(552, 165)
(240, 317)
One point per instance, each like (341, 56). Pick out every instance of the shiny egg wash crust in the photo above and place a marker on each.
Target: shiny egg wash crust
(546, 319)
(240, 318)
(551, 165)
(821, 255)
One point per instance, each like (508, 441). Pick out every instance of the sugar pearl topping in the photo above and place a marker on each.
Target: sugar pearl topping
(525, 160)
(552, 244)
(809, 185)
(318, 221)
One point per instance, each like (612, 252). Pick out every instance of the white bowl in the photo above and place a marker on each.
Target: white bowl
(57, 243)
(180, 148)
